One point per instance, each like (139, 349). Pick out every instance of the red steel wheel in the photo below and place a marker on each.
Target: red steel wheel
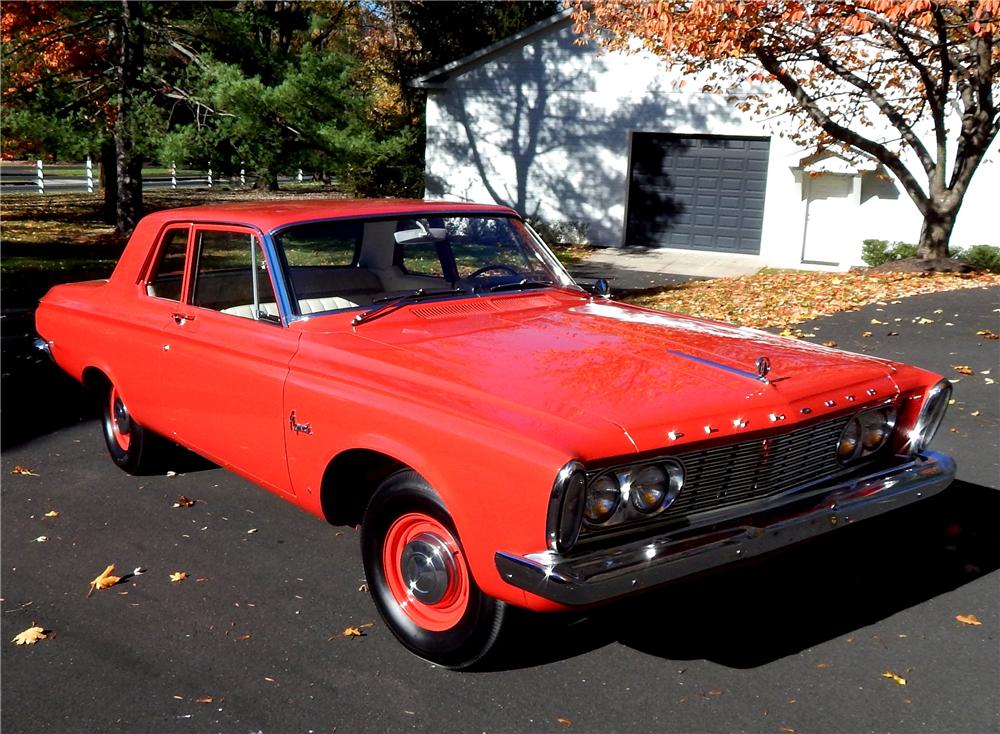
(121, 423)
(419, 577)
(425, 571)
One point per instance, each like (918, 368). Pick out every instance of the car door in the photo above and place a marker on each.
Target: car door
(139, 368)
(227, 356)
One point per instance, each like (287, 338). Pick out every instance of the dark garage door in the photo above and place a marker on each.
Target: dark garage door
(697, 192)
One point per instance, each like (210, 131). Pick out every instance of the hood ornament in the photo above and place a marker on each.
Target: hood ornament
(763, 365)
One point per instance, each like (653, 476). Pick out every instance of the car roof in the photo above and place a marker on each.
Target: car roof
(270, 214)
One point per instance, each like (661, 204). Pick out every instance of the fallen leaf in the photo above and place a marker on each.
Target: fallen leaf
(923, 321)
(989, 380)
(866, 333)
(252, 530)
(713, 693)
(23, 471)
(969, 619)
(987, 334)
(876, 321)
(104, 580)
(138, 571)
(178, 576)
(356, 631)
(830, 344)
(892, 333)
(822, 665)
(564, 722)
(171, 474)
(243, 638)
(974, 413)
(786, 729)
(40, 539)
(51, 513)
(30, 636)
(985, 372)
(892, 676)
(183, 501)
(205, 699)
(962, 369)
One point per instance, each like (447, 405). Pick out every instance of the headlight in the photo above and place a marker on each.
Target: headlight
(566, 507)
(931, 414)
(866, 433)
(603, 497)
(655, 487)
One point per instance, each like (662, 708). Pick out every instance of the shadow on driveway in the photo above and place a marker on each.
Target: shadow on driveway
(753, 614)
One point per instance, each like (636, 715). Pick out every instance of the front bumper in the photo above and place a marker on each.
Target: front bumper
(600, 575)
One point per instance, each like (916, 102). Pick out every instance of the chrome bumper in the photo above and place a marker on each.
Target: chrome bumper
(600, 575)
(43, 346)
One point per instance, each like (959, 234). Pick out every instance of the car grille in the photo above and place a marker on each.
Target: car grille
(722, 476)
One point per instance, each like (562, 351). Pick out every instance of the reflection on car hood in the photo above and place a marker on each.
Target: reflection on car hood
(660, 378)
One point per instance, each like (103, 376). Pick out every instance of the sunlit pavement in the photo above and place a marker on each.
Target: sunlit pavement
(252, 640)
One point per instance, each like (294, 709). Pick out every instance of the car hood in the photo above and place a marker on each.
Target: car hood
(658, 379)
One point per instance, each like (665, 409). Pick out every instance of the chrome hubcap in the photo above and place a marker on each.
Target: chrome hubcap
(428, 567)
(122, 419)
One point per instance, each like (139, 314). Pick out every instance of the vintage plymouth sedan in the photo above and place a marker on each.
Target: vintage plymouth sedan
(430, 372)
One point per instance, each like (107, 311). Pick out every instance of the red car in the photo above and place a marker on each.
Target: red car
(430, 372)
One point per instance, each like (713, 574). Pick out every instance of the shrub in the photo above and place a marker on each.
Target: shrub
(560, 233)
(876, 252)
(986, 257)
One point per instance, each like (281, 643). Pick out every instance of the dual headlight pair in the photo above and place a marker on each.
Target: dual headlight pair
(643, 490)
(617, 495)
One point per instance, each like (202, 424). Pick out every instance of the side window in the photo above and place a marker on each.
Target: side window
(231, 276)
(168, 275)
(421, 259)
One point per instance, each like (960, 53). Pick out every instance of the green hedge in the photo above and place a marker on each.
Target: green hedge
(876, 252)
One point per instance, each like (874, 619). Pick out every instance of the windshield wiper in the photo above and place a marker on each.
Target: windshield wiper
(388, 304)
(519, 284)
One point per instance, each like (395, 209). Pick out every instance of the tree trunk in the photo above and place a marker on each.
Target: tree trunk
(935, 233)
(128, 163)
(109, 181)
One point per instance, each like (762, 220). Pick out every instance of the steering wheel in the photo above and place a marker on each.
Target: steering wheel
(494, 266)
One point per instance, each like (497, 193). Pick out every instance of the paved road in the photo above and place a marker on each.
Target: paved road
(797, 642)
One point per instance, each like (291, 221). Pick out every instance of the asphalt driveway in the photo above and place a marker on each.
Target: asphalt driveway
(252, 640)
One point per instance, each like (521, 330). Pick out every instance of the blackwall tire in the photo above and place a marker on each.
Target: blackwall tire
(132, 447)
(419, 579)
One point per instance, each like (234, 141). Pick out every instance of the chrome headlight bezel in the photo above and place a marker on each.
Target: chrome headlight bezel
(629, 509)
(931, 415)
(879, 421)
(565, 515)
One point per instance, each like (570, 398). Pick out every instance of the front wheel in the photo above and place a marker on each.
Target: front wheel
(419, 578)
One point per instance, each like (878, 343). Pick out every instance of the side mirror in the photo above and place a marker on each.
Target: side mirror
(602, 289)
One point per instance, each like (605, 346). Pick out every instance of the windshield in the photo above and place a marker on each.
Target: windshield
(343, 264)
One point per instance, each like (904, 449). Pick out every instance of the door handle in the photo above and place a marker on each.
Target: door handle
(181, 318)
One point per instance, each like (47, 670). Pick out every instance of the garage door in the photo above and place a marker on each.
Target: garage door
(697, 192)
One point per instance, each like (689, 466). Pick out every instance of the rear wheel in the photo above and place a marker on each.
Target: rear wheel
(419, 578)
(132, 447)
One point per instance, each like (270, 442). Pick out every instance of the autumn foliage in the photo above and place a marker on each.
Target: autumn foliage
(909, 84)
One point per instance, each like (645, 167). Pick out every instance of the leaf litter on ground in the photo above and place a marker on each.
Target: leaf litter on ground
(784, 299)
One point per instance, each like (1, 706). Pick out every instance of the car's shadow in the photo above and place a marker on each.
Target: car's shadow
(756, 613)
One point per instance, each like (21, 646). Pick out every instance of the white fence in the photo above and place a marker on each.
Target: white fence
(21, 177)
